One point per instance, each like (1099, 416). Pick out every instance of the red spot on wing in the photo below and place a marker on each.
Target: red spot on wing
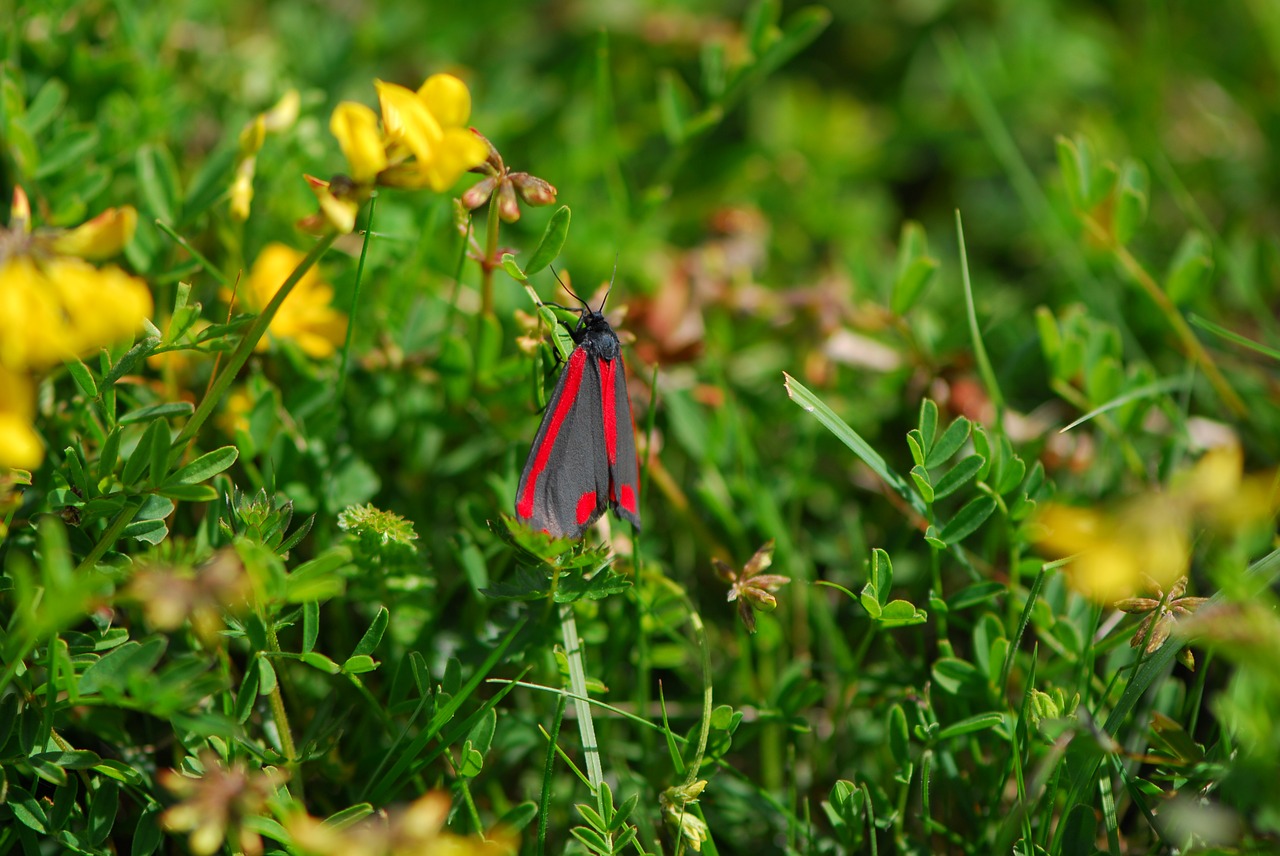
(628, 500)
(608, 388)
(563, 404)
(586, 506)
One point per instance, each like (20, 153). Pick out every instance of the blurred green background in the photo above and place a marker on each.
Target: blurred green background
(756, 215)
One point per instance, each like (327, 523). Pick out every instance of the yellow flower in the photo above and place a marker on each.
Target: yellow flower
(279, 118)
(56, 309)
(20, 445)
(416, 828)
(1113, 551)
(236, 408)
(100, 238)
(306, 316)
(428, 143)
(356, 127)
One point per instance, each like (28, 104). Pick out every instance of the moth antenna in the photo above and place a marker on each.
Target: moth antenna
(610, 288)
(568, 289)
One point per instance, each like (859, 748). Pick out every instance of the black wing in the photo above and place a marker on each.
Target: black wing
(565, 484)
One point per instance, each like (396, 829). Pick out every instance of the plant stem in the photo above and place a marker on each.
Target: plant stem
(490, 261)
(578, 686)
(1191, 346)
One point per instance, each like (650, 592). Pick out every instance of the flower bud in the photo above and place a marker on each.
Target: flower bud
(20, 211)
(479, 193)
(533, 190)
(508, 207)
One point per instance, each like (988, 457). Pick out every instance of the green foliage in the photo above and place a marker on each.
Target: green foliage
(264, 589)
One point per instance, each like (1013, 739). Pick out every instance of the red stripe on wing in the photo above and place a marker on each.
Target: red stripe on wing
(563, 404)
(608, 402)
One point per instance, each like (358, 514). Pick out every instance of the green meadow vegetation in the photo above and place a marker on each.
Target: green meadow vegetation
(950, 332)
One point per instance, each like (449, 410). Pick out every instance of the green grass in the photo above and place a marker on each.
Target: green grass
(967, 311)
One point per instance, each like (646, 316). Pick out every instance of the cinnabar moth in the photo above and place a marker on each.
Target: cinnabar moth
(583, 459)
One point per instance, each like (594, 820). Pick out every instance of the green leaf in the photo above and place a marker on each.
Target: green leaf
(949, 443)
(1131, 201)
(321, 662)
(915, 268)
(553, 238)
(981, 722)
(928, 425)
(158, 181)
(901, 613)
(675, 105)
(204, 467)
(899, 739)
(1072, 173)
(26, 810)
(146, 531)
(968, 519)
(267, 680)
(146, 835)
(1189, 271)
(311, 625)
(837, 426)
(975, 594)
(953, 676)
(870, 600)
(102, 811)
(141, 456)
(83, 377)
(189, 492)
(920, 476)
(369, 642)
(166, 410)
(958, 476)
(512, 268)
(45, 106)
(131, 358)
(359, 664)
(797, 34)
(154, 508)
(158, 443)
(116, 668)
(518, 816)
(71, 149)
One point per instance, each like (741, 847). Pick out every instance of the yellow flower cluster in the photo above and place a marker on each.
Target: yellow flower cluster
(421, 141)
(1114, 553)
(307, 317)
(55, 306)
(416, 828)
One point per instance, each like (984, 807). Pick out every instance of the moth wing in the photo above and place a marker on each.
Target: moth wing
(565, 484)
(624, 472)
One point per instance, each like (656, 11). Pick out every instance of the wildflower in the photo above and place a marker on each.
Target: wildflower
(170, 596)
(416, 828)
(279, 118)
(429, 143)
(356, 127)
(307, 316)
(234, 415)
(20, 445)
(507, 185)
(1161, 611)
(752, 589)
(54, 306)
(675, 802)
(216, 804)
(1115, 552)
